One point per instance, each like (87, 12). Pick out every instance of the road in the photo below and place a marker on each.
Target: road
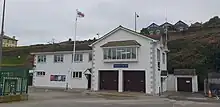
(63, 99)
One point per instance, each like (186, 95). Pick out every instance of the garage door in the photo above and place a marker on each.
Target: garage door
(134, 81)
(184, 84)
(108, 80)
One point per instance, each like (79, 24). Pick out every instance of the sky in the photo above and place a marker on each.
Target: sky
(41, 21)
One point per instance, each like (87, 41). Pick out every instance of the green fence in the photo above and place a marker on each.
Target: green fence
(13, 80)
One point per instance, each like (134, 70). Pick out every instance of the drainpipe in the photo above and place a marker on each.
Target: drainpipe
(154, 68)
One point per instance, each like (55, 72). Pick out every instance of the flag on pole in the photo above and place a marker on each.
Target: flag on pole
(80, 14)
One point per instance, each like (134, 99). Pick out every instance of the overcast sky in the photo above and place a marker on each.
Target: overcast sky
(39, 21)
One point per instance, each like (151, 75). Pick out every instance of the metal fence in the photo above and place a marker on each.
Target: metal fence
(13, 81)
(212, 83)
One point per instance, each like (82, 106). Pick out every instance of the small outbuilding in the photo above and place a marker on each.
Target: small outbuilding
(183, 80)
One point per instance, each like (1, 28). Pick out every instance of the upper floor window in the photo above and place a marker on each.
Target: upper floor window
(58, 58)
(151, 32)
(120, 53)
(158, 55)
(157, 32)
(90, 56)
(78, 57)
(163, 56)
(41, 58)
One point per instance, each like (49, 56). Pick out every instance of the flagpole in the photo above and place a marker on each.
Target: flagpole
(135, 21)
(74, 42)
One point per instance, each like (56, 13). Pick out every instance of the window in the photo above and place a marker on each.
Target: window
(90, 56)
(163, 58)
(76, 74)
(151, 32)
(40, 73)
(57, 77)
(158, 66)
(158, 55)
(78, 58)
(157, 32)
(158, 59)
(58, 58)
(120, 53)
(41, 58)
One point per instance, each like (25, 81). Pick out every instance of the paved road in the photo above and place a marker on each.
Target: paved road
(63, 99)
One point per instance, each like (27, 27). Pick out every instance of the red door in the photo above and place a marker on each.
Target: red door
(108, 80)
(134, 81)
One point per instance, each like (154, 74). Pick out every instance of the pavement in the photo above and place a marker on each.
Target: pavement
(186, 96)
(45, 98)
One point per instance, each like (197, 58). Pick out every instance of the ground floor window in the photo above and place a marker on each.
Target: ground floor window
(77, 74)
(58, 78)
(40, 73)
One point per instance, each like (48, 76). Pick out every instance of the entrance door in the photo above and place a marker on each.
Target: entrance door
(184, 84)
(89, 80)
(30, 79)
(134, 81)
(108, 80)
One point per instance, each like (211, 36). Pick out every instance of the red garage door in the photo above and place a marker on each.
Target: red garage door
(108, 80)
(134, 81)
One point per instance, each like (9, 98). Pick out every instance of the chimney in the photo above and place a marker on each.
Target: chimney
(70, 39)
(13, 37)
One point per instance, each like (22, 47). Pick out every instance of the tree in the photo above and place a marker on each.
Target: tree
(213, 22)
(144, 31)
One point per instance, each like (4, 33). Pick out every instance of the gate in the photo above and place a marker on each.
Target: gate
(13, 80)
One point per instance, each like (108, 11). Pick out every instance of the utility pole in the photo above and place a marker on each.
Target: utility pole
(2, 32)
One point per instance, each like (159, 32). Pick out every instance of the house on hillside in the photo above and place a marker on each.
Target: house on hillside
(121, 60)
(181, 26)
(9, 41)
(154, 29)
(169, 26)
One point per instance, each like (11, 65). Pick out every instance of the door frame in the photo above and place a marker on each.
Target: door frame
(183, 76)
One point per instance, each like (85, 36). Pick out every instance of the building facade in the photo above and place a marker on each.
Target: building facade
(121, 60)
(9, 42)
(58, 70)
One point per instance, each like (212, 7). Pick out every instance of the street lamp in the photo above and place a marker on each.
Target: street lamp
(2, 32)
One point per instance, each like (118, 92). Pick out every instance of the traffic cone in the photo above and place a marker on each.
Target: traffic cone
(209, 94)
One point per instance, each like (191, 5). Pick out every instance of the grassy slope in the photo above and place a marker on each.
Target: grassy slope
(194, 50)
(197, 51)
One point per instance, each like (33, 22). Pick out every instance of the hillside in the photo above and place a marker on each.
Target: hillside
(21, 55)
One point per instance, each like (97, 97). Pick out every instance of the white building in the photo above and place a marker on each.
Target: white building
(122, 60)
(55, 69)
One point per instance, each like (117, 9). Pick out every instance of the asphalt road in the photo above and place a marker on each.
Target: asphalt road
(104, 103)
(63, 99)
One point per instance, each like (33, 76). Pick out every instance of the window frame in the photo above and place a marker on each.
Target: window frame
(56, 76)
(77, 74)
(60, 57)
(43, 60)
(163, 57)
(78, 56)
(90, 56)
(120, 56)
(40, 73)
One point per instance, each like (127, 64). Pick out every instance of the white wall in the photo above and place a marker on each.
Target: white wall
(163, 66)
(172, 82)
(65, 68)
(142, 64)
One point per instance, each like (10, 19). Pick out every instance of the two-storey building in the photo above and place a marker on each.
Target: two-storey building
(121, 60)
(57, 69)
